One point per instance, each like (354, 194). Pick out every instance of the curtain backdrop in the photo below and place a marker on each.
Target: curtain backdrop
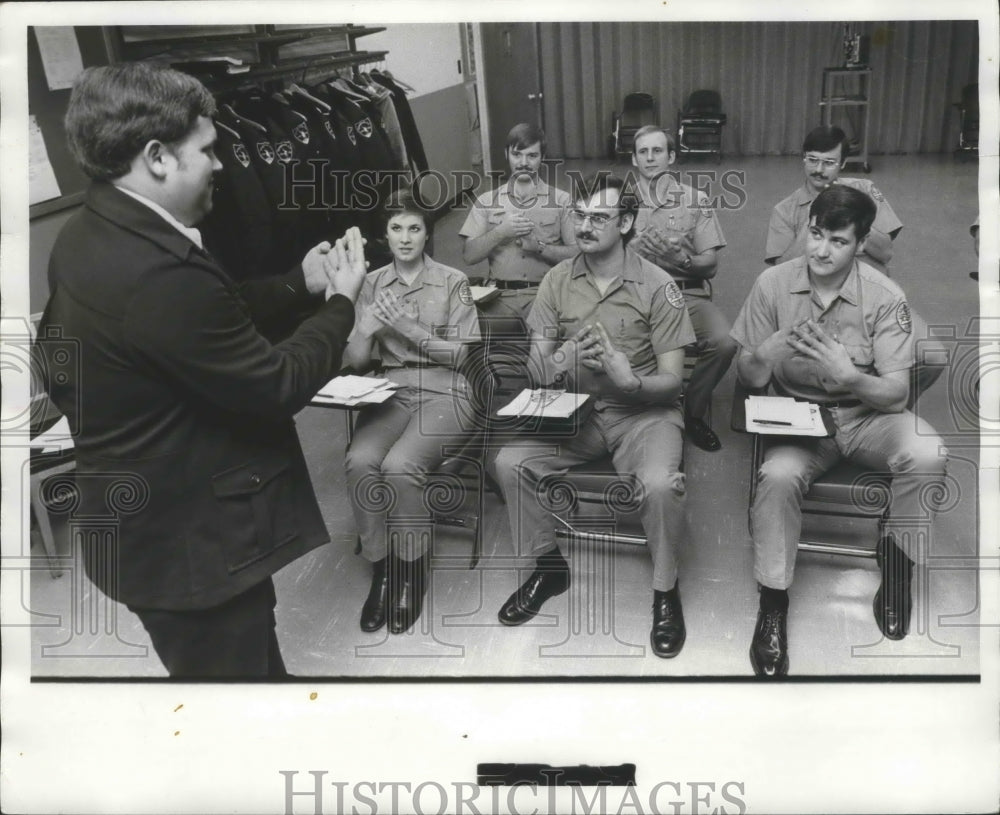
(769, 75)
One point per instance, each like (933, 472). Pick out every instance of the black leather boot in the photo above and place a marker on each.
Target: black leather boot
(407, 585)
(373, 612)
(769, 647)
(668, 634)
(893, 600)
(549, 579)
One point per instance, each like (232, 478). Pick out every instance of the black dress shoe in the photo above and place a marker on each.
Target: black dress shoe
(374, 609)
(668, 634)
(407, 585)
(550, 579)
(701, 435)
(893, 600)
(769, 648)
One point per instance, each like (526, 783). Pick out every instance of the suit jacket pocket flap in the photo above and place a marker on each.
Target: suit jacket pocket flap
(246, 479)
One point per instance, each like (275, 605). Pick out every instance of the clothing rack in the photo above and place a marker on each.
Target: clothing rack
(259, 46)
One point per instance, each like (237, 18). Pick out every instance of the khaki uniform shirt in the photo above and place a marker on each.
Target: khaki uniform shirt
(869, 316)
(643, 312)
(549, 212)
(786, 233)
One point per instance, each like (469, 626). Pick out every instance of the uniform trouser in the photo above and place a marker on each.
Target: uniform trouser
(397, 446)
(235, 639)
(716, 350)
(899, 444)
(646, 443)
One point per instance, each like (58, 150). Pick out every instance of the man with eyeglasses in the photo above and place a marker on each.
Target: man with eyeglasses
(824, 156)
(613, 325)
(521, 227)
(677, 231)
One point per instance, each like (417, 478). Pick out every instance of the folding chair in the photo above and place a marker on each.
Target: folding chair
(638, 110)
(846, 490)
(699, 125)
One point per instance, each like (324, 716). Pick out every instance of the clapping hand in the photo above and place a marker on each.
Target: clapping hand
(812, 341)
(614, 362)
(654, 245)
(582, 349)
(345, 266)
(514, 225)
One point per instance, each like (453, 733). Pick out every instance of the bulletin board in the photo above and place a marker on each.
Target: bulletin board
(49, 107)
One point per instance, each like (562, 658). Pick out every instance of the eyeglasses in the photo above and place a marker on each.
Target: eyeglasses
(816, 161)
(598, 220)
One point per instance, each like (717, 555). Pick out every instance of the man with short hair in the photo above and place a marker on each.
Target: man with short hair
(677, 231)
(830, 329)
(610, 324)
(177, 392)
(521, 227)
(824, 154)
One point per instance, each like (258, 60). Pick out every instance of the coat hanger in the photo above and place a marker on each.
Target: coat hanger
(238, 118)
(223, 126)
(300, 93)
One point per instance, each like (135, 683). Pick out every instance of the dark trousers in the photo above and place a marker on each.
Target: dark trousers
(235, 640)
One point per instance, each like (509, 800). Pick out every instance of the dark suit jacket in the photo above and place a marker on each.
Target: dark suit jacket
(187, 454)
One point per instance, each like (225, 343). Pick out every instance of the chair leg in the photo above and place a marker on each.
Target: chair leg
(44, 526)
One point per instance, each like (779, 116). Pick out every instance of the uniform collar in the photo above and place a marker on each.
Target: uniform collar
(631, 269)
(188, 232)
(541, 189)
(800, 282)
(126, 211)
(673, 189)
(804, 196)
(430, 275)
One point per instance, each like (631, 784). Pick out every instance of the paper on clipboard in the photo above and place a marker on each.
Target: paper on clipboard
(544, 403)
(355, 390)
(484, 294)
(783, 416)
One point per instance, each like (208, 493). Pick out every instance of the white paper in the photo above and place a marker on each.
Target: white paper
(350, 387)
(545, 403)
(42, 184)
(483, 294)
(60, 55)
(803, 418)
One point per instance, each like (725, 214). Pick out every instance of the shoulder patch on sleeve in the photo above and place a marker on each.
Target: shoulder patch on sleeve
(465, 293)
(903, 317)
(874, 191)
(673, 294)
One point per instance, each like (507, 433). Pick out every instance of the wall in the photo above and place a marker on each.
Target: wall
(427, 56)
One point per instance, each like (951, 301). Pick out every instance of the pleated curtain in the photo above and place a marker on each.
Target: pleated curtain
(768, 73)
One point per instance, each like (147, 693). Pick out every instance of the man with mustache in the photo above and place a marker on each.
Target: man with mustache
(828, 328)
(522, 227)
(611, 324)
(824, 154)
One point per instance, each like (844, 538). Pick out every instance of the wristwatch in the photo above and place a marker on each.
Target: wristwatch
(687, 262)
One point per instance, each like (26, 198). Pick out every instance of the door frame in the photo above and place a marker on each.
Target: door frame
(482, 95)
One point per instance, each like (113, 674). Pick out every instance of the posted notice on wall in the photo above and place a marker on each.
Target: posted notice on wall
(60, 55)
(42, 184)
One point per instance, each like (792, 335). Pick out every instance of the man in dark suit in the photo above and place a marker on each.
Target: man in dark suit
(179, 391)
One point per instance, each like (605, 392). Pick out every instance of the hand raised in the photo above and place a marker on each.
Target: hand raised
(345, 266)
(614, 361)
(812, 341)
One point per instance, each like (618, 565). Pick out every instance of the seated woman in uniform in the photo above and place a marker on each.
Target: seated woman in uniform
(415, 318)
